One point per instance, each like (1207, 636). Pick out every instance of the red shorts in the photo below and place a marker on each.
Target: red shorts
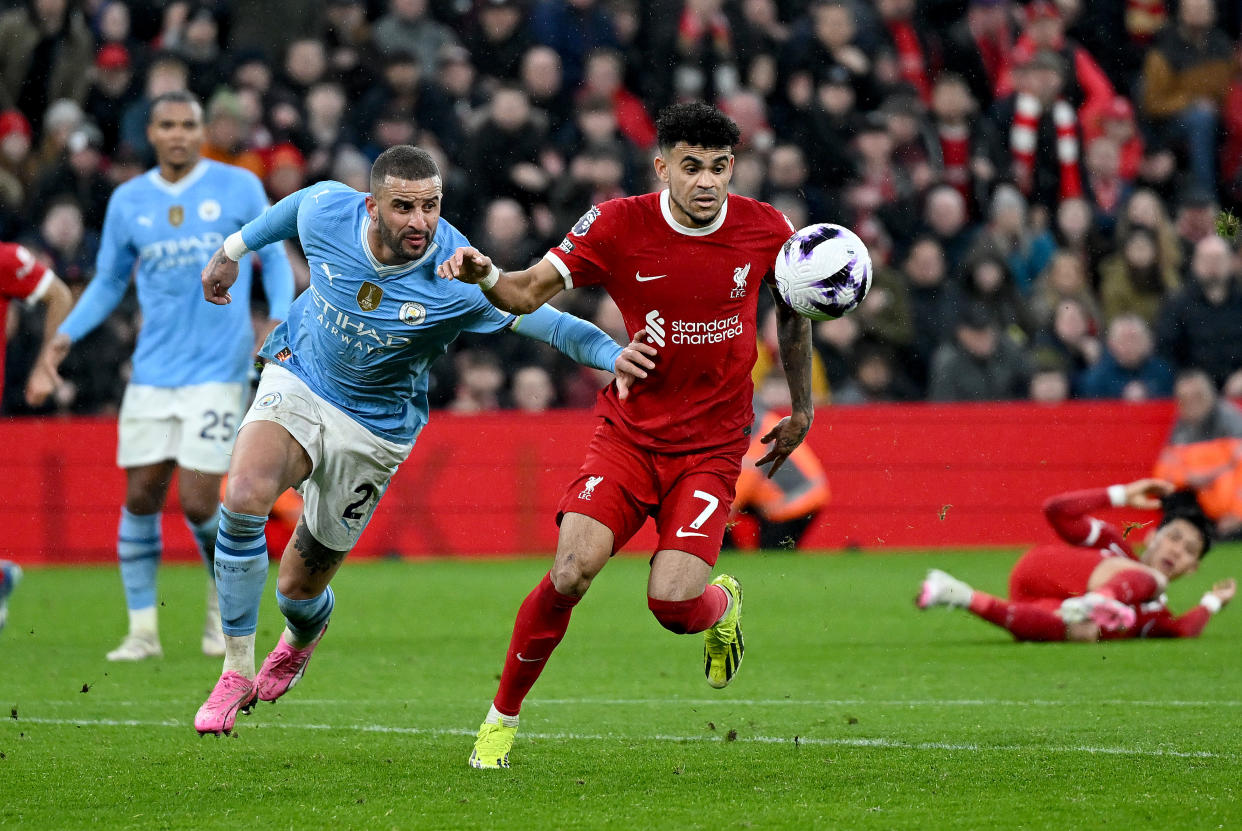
(1052, 572)
(689, 495)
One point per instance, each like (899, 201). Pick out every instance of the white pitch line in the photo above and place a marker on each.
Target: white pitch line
(741, 702)
(880, 744)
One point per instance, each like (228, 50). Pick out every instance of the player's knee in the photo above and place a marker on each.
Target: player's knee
(673, 615)
(570, 577)
(297, 587)
(1083, 631)
(252, 494)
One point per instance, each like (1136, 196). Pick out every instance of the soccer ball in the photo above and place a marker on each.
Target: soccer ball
(823, 271)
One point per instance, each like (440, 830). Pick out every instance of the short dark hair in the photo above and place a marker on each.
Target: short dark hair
(697, 124)
(1183, 504)
(403, 161)
(177, 96)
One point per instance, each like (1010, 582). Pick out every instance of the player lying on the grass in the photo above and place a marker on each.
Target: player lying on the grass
(685, 266)
(1094, 586)
(344, 397)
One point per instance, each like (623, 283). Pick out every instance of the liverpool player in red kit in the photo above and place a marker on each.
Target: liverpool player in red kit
(684, 266)
(1096, 586)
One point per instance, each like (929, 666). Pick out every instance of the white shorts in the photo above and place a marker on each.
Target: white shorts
(350, 465)
(193, 425)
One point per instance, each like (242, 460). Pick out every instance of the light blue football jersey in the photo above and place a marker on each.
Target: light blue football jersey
(171, 230)
(364, 334)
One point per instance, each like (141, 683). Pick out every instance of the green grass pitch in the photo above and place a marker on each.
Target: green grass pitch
(852, 710)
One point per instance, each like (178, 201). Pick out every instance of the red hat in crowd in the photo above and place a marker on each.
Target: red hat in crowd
(1042, 10)
(112, 56)
(285, 155)
(12, 121)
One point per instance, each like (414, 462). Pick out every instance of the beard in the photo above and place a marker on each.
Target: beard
(395, 242)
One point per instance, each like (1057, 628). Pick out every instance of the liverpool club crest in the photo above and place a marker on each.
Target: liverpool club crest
(369, 296)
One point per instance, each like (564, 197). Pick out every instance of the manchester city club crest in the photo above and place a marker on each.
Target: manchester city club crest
(176, 215)
(412, 314)
(209, 210)
(268, 401)
(369, 296)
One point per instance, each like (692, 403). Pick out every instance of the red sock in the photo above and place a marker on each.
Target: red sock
(686, 617)
(540, 625)
(1024, 621)
(1131, 586)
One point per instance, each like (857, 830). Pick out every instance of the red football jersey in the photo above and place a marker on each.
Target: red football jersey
(22, 277)
(695, 291)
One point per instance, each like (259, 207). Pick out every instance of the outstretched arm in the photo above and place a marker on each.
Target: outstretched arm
(1069, 516)
(793, 333)
(589, 345)
(519, 292)
(279, 222)
(44, 379)
(1192, 623)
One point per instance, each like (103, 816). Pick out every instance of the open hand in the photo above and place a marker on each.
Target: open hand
(1225, 589)
(784, 438)
(1146, 493)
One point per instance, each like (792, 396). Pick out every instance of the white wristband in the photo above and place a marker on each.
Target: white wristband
(1211, 602)
(1117, 495)
(235, 247)
(489, 282)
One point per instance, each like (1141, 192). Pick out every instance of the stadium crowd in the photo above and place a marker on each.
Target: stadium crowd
(1038, 183)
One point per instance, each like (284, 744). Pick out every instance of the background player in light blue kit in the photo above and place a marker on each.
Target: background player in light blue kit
(344, 397)
(184, 402)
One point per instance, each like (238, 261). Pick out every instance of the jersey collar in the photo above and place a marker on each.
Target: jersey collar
(179, 187)
(692, 232)
(389, 270)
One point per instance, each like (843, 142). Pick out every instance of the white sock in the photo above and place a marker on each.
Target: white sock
(728, 604)
(144, 622)
(239, 655)
(494, 715)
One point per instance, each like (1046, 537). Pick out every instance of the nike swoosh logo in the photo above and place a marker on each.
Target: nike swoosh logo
(529, 660)
(682, 533)
(640, 278)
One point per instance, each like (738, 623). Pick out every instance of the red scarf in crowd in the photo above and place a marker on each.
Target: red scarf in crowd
(1024, 135)
(911, 61)
(955, 153)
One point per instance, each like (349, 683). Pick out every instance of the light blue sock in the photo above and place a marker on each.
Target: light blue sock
(138, 547)
(306, 618)
(205, 538)
(241, 571)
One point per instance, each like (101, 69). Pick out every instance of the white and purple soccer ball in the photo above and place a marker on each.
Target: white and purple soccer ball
(823, 271)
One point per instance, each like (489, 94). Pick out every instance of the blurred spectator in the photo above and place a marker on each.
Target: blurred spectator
(403, 93)
(1104, 185)
(1075, 232)
(326, 129)
(788, 175)
(286, 171)
(884, 315)
(62, 119)
(1009, 234)
(978, 363)
(985, 280)
(1198, 325)
(826, 39)
(479, 381)
(1146, 210)
(1202, 414)
(506, 235)
(945, 218)
(695, 43)
(199, 47)
(1050, 384)
(965, 141)
(544, 84)
(64, 242)
(497, 38)
(533, 390)
(572, 28)
(114, 27)
(1132, 280)
(504, 153)
(1065, 278)
(226, 133)
(306, 63)
(1129, 369)
(980, 47)
(931, 305)
(165, 73)
(917, 53)
(458, 83)
(1185, 78)
(79, 175)
(1042, 132)
(409, 27)
(45, 55)
(1069, 340)
(1086, 86)
(1116, 122)
(268, 27)
(112, 90)
(17, 169)
(882, 195)
(347, 37)
(876, 379)
(1195, 218)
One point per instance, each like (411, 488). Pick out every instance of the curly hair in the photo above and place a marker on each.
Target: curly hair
(697, 124)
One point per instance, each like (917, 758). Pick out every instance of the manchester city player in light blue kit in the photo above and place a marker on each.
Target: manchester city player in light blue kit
(344, 397)
(185, 398)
